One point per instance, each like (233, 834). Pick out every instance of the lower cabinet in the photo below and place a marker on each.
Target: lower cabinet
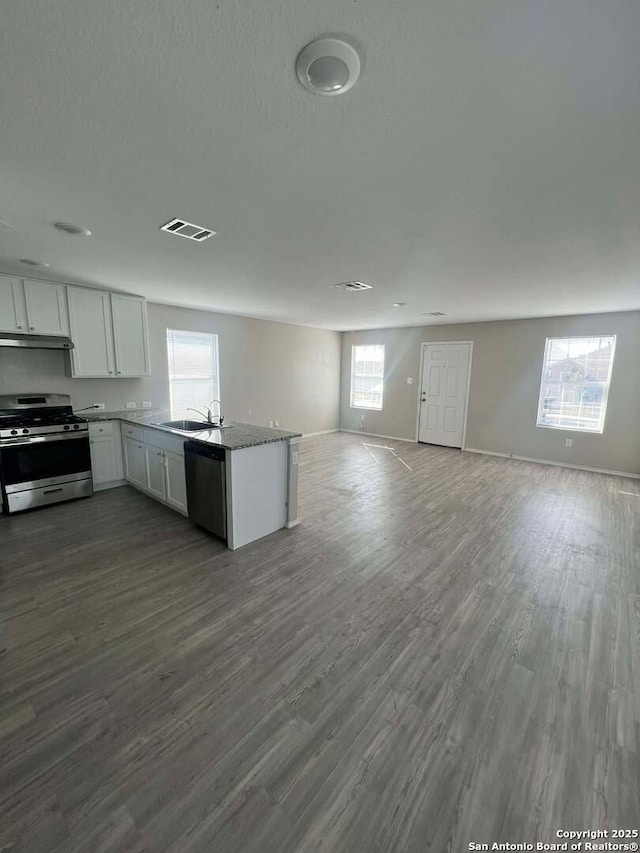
(151, 466)
(176, 483)
(106, 454)
(154, 471)
(134, 470)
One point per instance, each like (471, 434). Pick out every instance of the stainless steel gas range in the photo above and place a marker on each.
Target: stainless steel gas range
(44, 451)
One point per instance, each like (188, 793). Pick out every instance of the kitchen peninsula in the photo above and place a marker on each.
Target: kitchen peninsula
(259, 464)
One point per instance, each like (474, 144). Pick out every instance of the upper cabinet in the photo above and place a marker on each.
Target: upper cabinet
(13, 311)
(91, 332)
(46, 303)
(130, 334)
(33, 307)
(109, 332)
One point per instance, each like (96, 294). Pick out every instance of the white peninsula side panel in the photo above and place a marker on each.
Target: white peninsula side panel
(257, 483)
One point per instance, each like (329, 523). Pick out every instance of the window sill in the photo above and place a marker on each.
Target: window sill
(572, 429)
(365, 409)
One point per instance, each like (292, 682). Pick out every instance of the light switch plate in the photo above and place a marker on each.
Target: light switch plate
(146, 404)
(130, 405)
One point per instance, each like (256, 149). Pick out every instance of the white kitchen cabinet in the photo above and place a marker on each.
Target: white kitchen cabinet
(134, 467)
(131, 337)
(176, 481)
(33, 307)
(46, 303)
(91, 330)
(154, 471)
(106, 454)
(13, 311)
(109, 332)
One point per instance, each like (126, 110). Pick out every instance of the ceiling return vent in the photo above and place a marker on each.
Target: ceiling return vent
(354, 285)
(187, 229)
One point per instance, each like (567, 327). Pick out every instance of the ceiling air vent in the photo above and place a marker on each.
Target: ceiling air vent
(187, 229)
(434, 313)
(354, 285)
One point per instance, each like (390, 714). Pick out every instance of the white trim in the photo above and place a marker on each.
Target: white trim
(320, 432)
(551, 462)
(289, 525)
(112, 484)
(376, 435)
(468, 392)
(606, 385)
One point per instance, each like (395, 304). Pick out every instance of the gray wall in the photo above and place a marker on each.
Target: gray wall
(505, 383)
(268, 370)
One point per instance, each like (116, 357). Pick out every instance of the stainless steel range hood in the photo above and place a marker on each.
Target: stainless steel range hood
(12, 339)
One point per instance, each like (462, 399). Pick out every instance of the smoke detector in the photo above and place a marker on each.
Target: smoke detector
(353, 285)
(187, 229)
(328, 66)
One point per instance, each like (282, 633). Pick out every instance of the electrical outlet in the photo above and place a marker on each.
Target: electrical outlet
(146, 404)
(130, 405)
(98, 406)
(568, 442)
(271, 424)
(277, 423)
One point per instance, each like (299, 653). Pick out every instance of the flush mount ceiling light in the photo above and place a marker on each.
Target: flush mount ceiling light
(399, 304)
(353, 285)
(31, 263)
(75, 230)
(328, 66)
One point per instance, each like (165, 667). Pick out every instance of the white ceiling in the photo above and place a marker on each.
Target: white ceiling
(487, 163)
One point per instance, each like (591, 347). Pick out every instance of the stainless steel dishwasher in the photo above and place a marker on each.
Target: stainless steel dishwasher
(206, 487)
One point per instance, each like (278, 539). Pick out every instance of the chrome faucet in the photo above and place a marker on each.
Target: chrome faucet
(209, 417)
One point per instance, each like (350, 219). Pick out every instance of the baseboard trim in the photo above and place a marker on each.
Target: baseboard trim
(291, 524)
(377, 435)
(112, 485)
(319, 432)
(551, 462)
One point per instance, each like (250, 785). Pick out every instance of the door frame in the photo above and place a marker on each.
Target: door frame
(467, 393)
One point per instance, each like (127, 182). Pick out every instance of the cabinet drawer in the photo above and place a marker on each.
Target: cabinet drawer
(136, 433)
(97, 428)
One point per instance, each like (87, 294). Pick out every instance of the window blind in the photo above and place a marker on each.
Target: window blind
(194, 373)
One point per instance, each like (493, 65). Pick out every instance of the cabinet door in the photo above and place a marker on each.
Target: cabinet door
(154, 471)
(13, 315)
(91, 332)
(46, 307)
(176, 481)
(103, 459)
(134, 462)
(130, 335)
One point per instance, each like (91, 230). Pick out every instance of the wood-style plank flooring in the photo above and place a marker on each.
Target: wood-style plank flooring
(446, 650)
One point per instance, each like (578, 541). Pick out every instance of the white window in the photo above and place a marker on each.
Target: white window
(575, 383)
(367, 376)
(194, 374)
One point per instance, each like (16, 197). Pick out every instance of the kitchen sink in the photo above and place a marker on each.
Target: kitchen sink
(189, 426)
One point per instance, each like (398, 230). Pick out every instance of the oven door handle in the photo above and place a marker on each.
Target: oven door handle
(6, 443)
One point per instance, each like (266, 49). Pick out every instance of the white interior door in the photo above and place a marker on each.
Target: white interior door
(443, 396)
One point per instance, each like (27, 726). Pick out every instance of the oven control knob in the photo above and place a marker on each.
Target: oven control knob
(66, 426)
(14, 432)
(25, 432)
(76, 426)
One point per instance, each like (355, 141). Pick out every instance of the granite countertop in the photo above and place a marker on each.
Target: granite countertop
(235, 436)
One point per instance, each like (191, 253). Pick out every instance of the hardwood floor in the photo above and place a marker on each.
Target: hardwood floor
(446, 650)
